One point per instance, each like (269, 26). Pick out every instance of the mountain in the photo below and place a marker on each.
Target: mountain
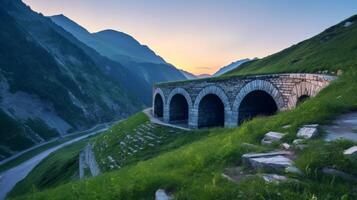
(52, 84)
(188, 75)
(231, 66)
(122, 48)
(333, 49)
(204, 76)
(113, 44)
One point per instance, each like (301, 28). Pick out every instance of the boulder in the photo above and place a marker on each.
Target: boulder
(271, 137)
(350, 151)
(308, 131)
(161, 194)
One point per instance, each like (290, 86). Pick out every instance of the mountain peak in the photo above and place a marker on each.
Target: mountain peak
(67, 24)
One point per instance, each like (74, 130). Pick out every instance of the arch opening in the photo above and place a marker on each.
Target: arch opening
(178, 109)
(158, 106)
(210, 112)
(256, 103)
(302, 99)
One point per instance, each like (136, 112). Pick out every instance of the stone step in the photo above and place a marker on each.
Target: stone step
(278, 163)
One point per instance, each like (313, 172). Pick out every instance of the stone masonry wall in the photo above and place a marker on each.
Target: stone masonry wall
(284, 88)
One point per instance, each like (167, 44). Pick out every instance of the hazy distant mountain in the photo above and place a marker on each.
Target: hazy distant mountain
(230, 67)
(204, 76)
(188, 75)
(113, 44)
(120, 47)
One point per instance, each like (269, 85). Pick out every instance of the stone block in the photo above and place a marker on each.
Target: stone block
(277, 163)
(308, 131)
(271, 137)
(350, 151)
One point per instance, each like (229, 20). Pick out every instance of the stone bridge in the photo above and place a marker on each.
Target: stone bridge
(229, 101)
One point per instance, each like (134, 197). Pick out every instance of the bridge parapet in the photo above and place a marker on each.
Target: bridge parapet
(229, 101)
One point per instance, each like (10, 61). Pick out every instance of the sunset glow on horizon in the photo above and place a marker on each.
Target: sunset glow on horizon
(202, 36)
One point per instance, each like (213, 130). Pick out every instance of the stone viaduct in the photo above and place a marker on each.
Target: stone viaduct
(228, 101)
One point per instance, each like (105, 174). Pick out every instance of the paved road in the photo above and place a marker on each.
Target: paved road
(9, 178)
(154, 120)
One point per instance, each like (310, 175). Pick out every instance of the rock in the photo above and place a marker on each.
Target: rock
(276, 163)
(234, 174)
(308, 131)
(285, 146)
(273, 178)
(339, 72)
(340, 174)
(298, 141)
(293, 170)
(350, 151)
(246, 157)
(286, 126)
(161, 194)
(271, 137)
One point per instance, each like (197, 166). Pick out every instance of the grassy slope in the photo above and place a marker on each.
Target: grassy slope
(62, 166)
(193, 170)
(333, 49)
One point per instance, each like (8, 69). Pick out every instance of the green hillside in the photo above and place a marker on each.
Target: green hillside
(193, 171)
(333, 49)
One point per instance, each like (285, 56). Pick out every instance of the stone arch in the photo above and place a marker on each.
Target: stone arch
(183, 93)
(300, 90)
(210, 90)
(158, 103)
(257, 85)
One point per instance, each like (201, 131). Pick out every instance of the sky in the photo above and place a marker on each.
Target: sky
(200, 36)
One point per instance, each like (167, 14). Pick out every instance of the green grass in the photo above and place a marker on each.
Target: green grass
(109, 144)
(193, 170)
(62, 166)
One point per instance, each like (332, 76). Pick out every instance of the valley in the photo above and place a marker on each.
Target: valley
(278, 127)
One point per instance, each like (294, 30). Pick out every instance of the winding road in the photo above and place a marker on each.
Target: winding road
(9, 178)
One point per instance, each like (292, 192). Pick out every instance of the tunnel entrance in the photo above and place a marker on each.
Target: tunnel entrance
(158, 106)
(302, 99)
(256, 103)
(210, 112)
(178, 109)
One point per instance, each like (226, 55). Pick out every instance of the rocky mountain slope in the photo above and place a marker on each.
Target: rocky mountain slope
(52, 84)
